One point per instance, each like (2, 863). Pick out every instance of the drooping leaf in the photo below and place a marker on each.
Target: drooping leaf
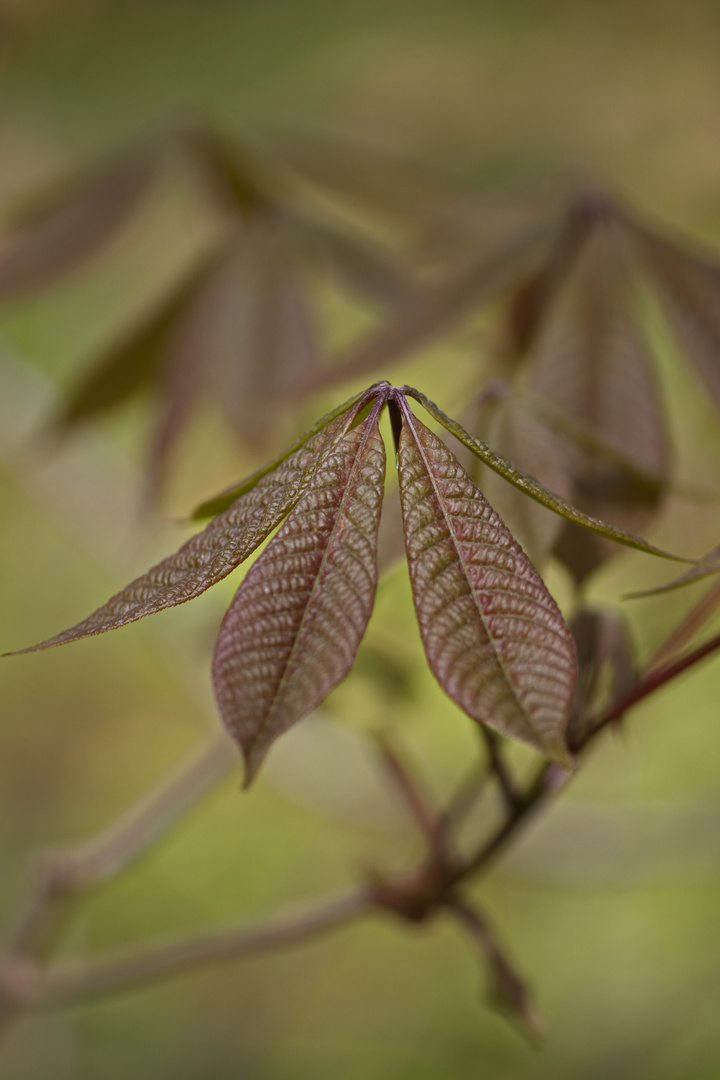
(294, 627)
(607, 667)
(530, 301)
(366, 180)
(268, 350)
(212, 554)
(191, 348)
(520, 436)
(465, 222)
(362, 268)
(708, 566)
(58, 235)
(589, 377)
(590, 363)
(229, 174)
(138, 358)
(689, 288)
(493, 635)
(432, 310)
(531, 487)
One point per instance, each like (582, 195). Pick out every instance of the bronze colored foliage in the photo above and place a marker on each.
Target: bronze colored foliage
(493, 635)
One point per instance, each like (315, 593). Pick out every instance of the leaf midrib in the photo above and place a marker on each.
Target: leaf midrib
(323, 562)
(409, 419)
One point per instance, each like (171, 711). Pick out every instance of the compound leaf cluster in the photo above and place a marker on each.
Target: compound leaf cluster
(493, 636)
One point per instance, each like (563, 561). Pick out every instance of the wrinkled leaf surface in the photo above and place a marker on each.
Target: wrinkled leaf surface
(294, 627)
(535, 490)
(212, 554)
(493, 635)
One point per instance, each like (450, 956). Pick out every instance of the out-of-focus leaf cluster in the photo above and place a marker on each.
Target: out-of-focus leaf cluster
(238, 325)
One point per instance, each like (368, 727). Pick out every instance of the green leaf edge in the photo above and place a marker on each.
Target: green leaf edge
(217, 504)
(534, 489)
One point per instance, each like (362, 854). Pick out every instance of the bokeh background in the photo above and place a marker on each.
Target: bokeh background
(609, 904)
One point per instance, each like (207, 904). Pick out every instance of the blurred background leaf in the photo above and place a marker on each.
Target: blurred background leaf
(610, 905)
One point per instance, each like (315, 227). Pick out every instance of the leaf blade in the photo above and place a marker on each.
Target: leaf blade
(212, 554)
(431, 310)
(294, 627)
(533, 489)
(706, 568)
(687, 283)
(56, 238)
(493, 635)
(136, 358)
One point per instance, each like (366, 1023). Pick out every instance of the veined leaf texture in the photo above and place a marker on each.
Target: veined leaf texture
(211, 555)
(295, 625)
(493, 635)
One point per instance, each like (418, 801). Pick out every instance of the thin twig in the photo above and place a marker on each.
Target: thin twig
(421, 810)
(508, 990)
(499, 769)
(24, 985)
(654, 680)
(686, 630)
(466, 796)
(72, 981)
(550, 777)
(61, 873)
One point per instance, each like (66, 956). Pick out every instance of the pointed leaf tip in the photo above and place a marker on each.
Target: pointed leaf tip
(212, 554)
(294, 627)
(494, 637)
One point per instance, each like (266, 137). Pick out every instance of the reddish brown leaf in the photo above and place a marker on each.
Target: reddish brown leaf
(531, 300)
(493, 635)
(358, 266)
(520, 436)
(590, 362)
(294, 627)
(435, 309)
(593, 381)
(139, 357)
(366, 180)
(689, 289)
(229, 175)
(212, 554)
(523, 482)
(267, 351)
(606, 661)
(61, 234)
(194, 343)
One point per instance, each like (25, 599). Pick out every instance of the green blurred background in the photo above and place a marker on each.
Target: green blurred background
(610, 903)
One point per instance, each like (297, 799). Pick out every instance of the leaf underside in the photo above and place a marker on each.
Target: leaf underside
(212, 554)
(293, 629)
(535, 490)
(494, 637)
